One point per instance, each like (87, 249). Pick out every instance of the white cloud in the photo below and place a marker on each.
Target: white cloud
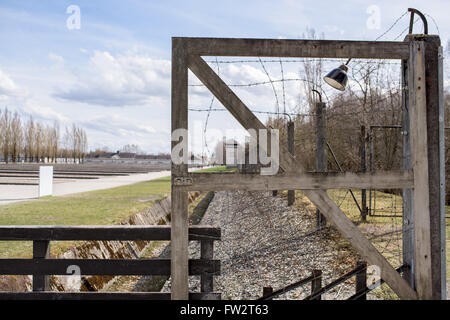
(120, 81)
(7, 86)
(57, 59)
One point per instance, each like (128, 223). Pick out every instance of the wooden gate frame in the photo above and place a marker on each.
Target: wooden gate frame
(186, 54)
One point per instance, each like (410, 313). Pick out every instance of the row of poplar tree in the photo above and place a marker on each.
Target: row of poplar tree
(32, 141)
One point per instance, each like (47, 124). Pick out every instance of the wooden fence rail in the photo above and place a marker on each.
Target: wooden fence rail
(361, 289)
(41, 265)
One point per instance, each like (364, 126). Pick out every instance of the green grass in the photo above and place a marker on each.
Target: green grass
(102, 207)
(217, 169)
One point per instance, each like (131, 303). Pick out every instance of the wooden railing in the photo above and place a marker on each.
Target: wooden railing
(317, 290)
(41, 265)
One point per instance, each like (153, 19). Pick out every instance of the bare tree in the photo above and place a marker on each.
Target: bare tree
(29, 132)
(16, 137)
(38, 142)
(5, 125)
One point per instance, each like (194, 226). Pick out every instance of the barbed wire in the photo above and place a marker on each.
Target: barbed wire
(294, 61)
(282, 82)
(392, 26)
(434, 22)
(208, 114)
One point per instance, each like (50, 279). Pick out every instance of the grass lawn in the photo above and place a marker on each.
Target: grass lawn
(101, 207)
(217, 169)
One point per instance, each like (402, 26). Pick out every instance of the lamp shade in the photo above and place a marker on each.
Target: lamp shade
(337, 78)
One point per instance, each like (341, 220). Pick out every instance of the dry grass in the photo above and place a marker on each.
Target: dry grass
(385, 233)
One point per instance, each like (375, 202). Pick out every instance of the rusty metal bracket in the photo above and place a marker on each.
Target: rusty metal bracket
(183, 181)
(411, 20)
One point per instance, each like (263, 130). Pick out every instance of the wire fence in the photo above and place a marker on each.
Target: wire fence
(279, 245)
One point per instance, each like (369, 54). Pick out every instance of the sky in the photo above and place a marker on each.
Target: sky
(108, 68)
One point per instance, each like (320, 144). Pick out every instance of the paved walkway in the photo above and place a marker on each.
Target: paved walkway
(15, 193)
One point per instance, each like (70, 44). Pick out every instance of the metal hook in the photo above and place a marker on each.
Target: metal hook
(411, 20)
(320, 95)
(287, 114)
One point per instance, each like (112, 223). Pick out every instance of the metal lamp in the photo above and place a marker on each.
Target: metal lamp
(337, 78)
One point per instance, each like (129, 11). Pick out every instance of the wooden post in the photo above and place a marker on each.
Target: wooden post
(179, 199)
(207, 253)
(436, 162)
(291, 146)
(363, 169)
(267, 291)
(41, 250)
(421, 193)
(407, 217)
(321, 153)
(316, 283)
(361, 281)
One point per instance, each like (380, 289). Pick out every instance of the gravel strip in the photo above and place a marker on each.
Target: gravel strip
(266, 243)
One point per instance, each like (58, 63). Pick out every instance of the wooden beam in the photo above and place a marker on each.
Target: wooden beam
(436, 162)
(300, 181)
(421, 200)
(102, 233)
(297, 48)
(179, 199)
(103, 266)
(358, 241)
(232, 102)
(320, 199)
(407, 216)
(41, 251)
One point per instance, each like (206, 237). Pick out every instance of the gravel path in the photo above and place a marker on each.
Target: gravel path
(266, 243)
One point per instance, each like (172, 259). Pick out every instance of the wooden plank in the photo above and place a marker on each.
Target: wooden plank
(41, 250)
(288, 163)
(102, 296)
(360, 243)
(361, 281)
(267, 291)
(299, 181)
(103, 266)
(297, 48)
(316, 284)
(421, 200)
(179, 215)
(442, 180)
(206, 252)
(103, 233)
(407, 216)
(436, 162)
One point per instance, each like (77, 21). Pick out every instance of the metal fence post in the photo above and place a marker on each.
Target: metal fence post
(291, 146)
(321, 153)
(363, 169)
